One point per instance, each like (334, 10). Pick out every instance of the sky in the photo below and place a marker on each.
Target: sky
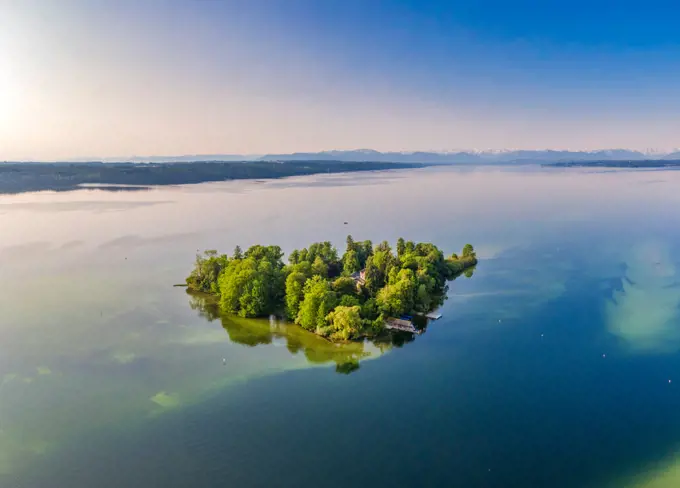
(96, 78)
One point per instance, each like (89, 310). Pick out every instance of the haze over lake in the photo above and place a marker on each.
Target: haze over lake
(556, 364)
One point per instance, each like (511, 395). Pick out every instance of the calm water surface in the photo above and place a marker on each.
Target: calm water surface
(555, 365)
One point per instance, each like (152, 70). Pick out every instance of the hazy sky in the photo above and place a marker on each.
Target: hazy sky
(122, 78)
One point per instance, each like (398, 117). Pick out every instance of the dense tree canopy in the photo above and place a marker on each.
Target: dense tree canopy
(317, 303)
(295, 293)
(344, 323)
(252, 286)
(206, 272)
(319, 290)
(398, 296)
(345, 286)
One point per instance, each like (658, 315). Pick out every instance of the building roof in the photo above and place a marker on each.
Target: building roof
(359, 277)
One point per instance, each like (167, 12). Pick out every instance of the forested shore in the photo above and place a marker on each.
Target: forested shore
(25, 177)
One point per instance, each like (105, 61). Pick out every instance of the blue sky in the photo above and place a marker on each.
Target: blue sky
(98, 78)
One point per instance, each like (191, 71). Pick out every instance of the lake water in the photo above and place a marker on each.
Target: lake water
(555, 365)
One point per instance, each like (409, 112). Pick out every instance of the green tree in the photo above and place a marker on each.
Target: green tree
(423, 300)
(377, 325)
(398, 298)
(374, 278)
(401, 247)
(364, 251)
(410, 261)
(370, 310)
(319, 267)
(324, 250)
(349, 301)
(378, 268)
(317, 303)
(238, 254)
(253, 286)
(350, 262)
(295, 285)
(254, 301)
(273, 280)
(385, 261)
(304, 267)
(270, 253)
(350, 244)
(207, 268)
(384, 246)
(344, 323)
(233, 283)
(344, 286)
(468, 251)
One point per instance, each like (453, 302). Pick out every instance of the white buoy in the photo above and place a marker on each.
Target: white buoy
(604, 355)
(224, 360)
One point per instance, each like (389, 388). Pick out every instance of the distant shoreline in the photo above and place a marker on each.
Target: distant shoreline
(23, 177)
(31, 177)
(648, 163)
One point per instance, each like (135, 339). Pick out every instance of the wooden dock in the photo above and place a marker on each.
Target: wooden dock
(431, 315)
(400, 324)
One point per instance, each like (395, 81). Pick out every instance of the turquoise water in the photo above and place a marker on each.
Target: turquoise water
(556, 364)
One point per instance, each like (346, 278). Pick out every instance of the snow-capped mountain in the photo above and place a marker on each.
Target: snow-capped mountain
(489, 156)
(472, 156)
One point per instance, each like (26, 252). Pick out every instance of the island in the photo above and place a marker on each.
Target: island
(361, 294)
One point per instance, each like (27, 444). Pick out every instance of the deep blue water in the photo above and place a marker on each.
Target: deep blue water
(554, 365)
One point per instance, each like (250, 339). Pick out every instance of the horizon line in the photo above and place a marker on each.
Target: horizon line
(646, 151)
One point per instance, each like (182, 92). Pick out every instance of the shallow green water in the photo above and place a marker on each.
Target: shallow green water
(551, 366)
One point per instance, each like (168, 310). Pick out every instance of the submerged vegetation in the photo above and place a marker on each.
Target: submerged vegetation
(338, 297)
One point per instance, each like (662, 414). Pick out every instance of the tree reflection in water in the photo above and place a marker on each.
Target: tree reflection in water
(254, 332)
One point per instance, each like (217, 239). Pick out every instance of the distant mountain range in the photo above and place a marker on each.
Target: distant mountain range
(189, 158)
(509, 156)
(429, 157)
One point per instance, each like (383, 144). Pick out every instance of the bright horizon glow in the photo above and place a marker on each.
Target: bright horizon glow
(118, 79)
